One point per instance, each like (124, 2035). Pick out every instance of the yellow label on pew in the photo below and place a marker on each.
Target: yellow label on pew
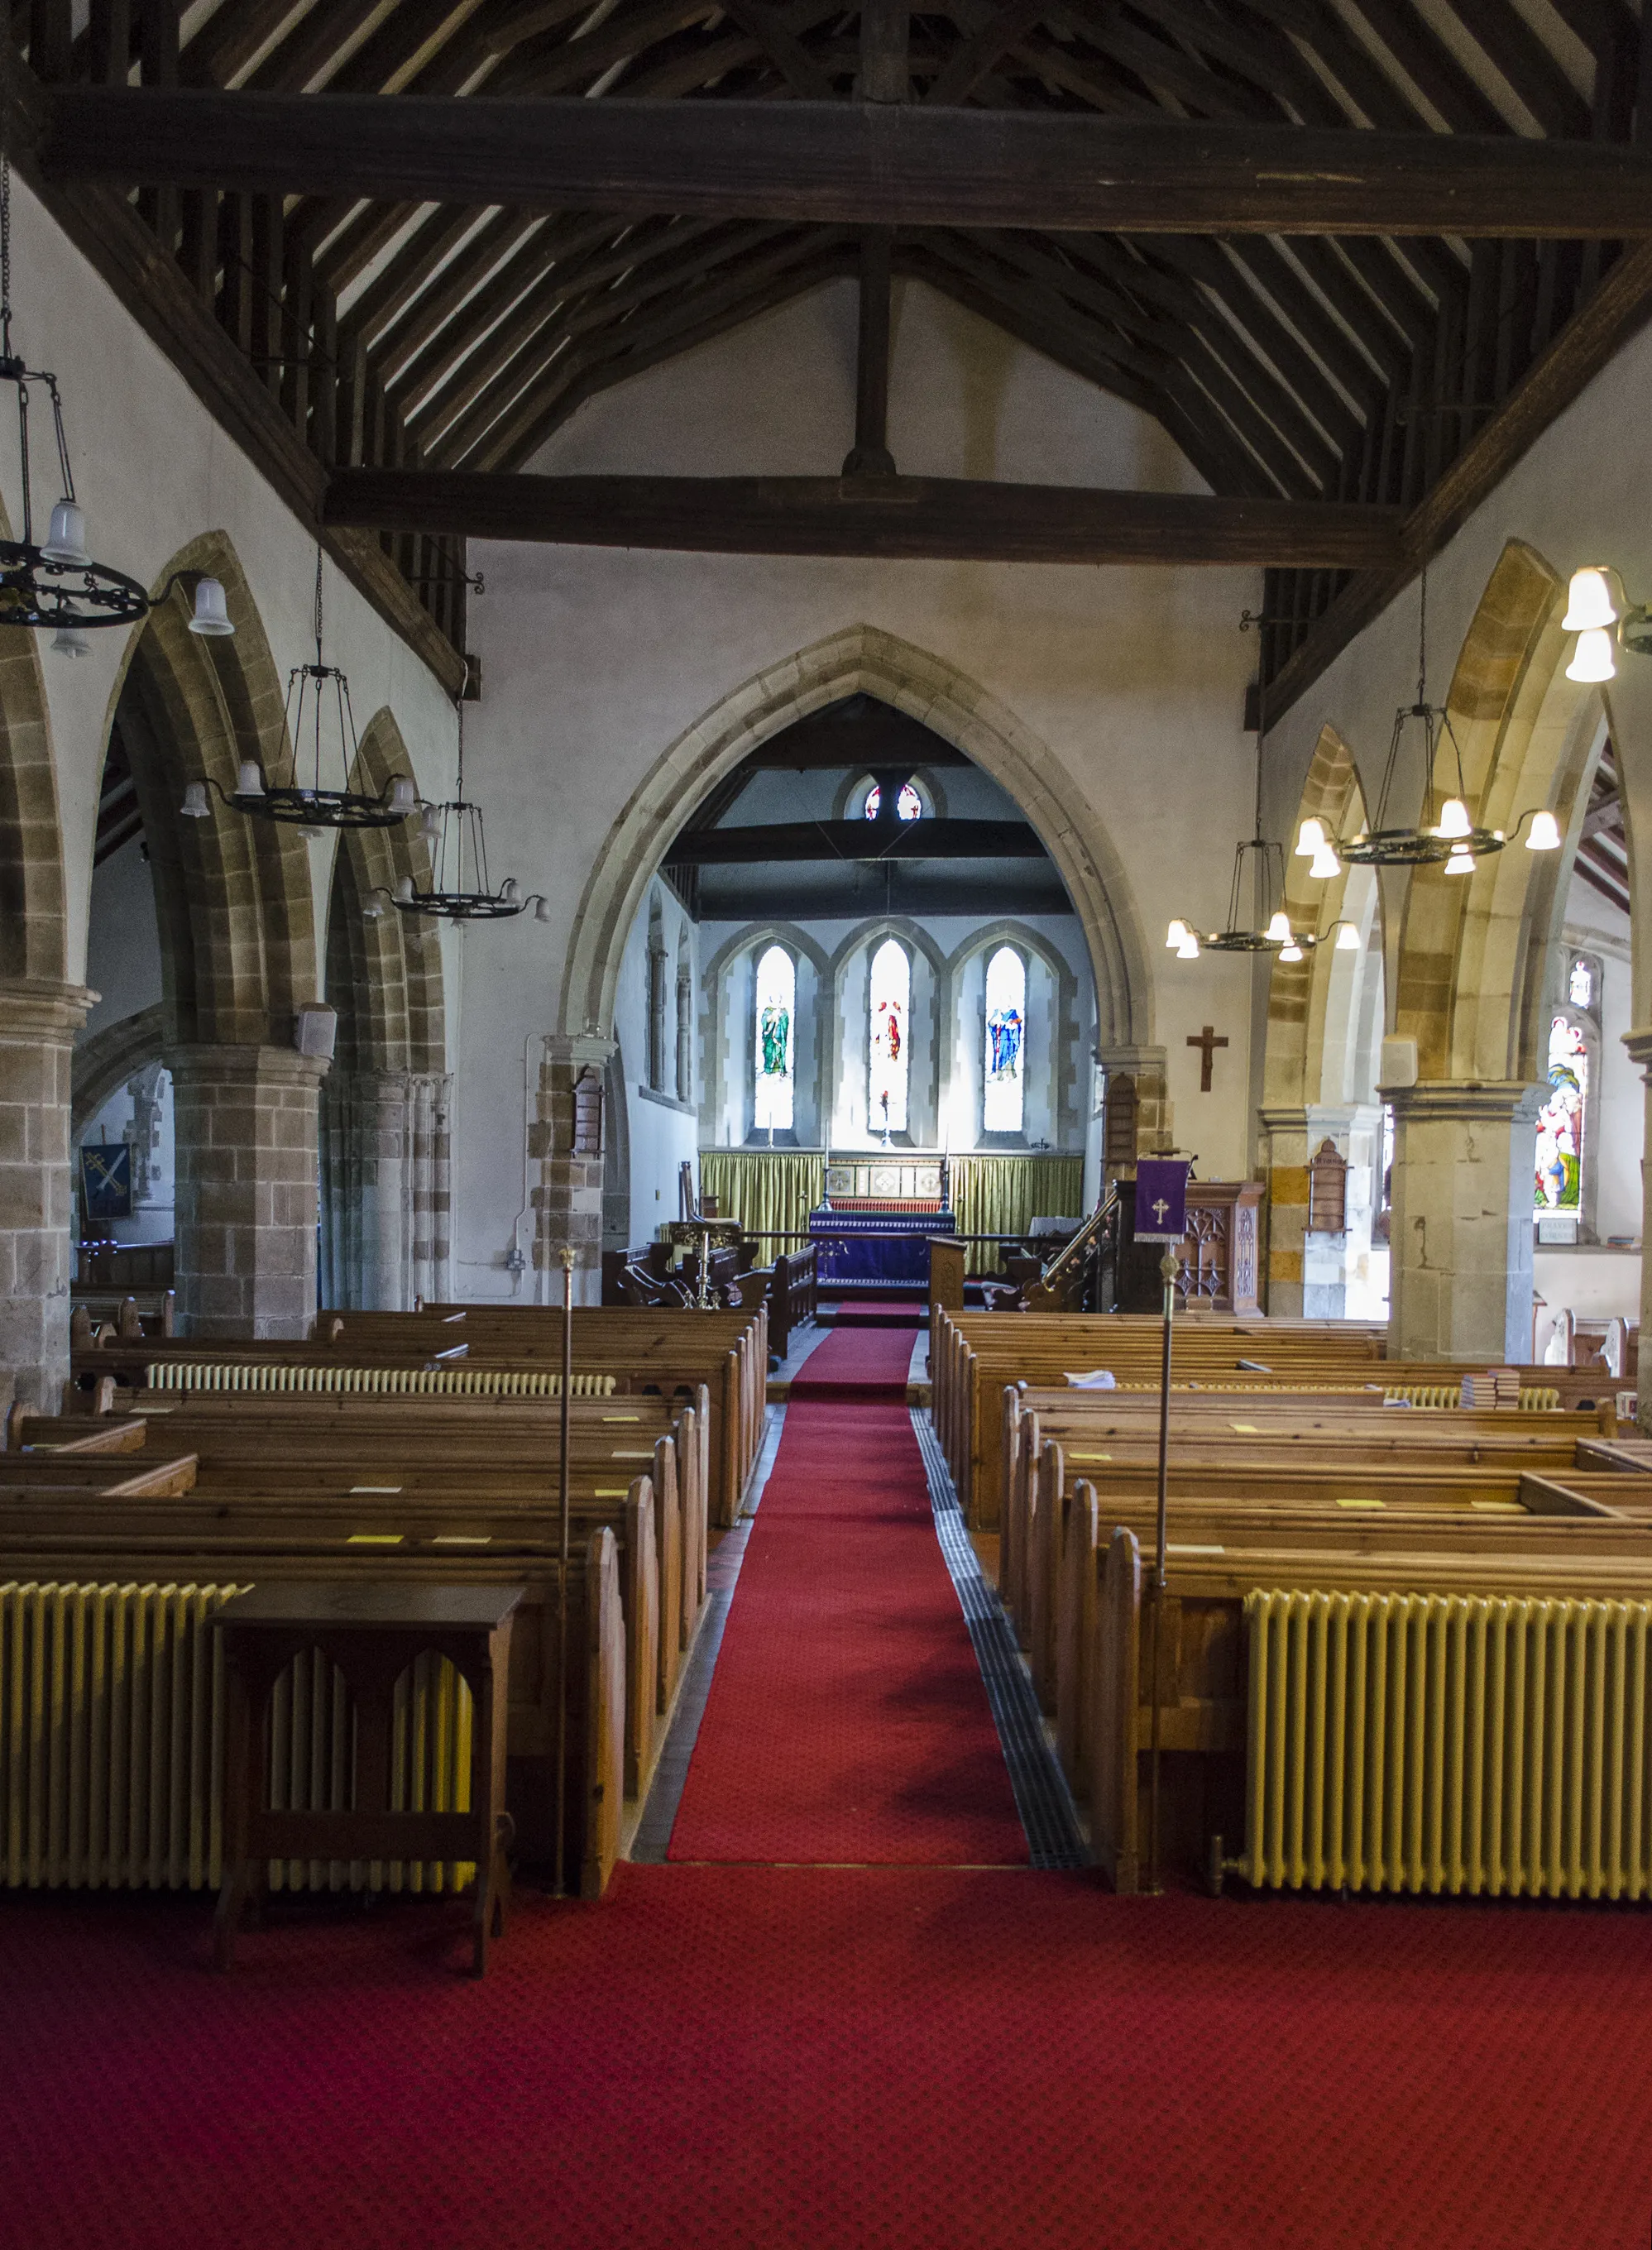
(1245, 1429)
(612, 1491)
(1089, 1457)
(463, 1539)
(630, 1457)
(139, 1407)
(1362, 1503)
(386, 1488)
(622, 1417)
(1499, 1506)
(374, 1539)
(1170, 1548)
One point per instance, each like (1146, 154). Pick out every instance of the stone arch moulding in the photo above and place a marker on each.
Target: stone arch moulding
(1476, 956)
(1298, 992)
(234, 903)
(390, 999)
(863, 659)
(33, 914)
(108, 1059)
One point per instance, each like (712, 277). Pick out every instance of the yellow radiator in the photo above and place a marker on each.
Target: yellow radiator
(422, 1382)
(1539, 1399)
(112, 1745)
(1433, 1743)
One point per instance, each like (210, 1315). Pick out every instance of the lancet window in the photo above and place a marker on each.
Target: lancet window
(774, 1041)
(909, 805)
(1560, 1121)
(888, 1010)
(1003, 1076)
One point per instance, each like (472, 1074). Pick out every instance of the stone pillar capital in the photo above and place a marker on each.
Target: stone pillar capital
(1640, 1045)
(39, 1008)
(1467, 1101)
(206, 1063)
(575, 1049)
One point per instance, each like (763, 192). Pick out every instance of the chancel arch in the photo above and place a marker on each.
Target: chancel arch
(384, 1121)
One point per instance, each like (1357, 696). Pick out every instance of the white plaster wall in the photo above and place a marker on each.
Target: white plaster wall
(123, 944)
(595, 661)
(154, 472)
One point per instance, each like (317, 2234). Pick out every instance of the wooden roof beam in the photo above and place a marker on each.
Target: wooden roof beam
(898, 518)
(857, 163)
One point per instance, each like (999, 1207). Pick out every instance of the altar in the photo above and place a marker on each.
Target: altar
(873, 1230)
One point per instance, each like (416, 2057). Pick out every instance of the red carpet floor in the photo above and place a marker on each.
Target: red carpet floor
(846, 1721)
(857, 1365)
(871, 2058)
(749, 2058)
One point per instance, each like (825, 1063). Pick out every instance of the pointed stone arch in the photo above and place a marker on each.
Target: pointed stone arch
(385, 1146)
(33, 922)
(863, 659)
(233, 899)
(1299, 992)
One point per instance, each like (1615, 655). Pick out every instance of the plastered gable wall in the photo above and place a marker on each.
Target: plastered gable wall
(595, 662)
(154, 472)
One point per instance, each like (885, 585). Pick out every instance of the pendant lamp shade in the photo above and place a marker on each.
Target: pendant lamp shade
(1278, 932)
(211, 619)
(66, 542)
(1310, 838)
(1545, 833)
(249, 780)
(1591, 661)
(1589, 605)
(1347, 939)
(1454, 818)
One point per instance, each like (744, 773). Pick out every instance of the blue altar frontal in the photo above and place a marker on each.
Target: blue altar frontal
(876, 1249)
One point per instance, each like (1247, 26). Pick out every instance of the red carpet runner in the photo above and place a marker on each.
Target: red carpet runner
(846, 1721)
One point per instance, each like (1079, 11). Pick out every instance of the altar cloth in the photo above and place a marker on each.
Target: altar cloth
(876, 1250)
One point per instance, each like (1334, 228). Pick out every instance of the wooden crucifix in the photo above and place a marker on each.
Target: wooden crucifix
(1206, 1043)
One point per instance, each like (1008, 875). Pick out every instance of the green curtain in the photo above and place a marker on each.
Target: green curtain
(1003, 1195)
(769, 1190)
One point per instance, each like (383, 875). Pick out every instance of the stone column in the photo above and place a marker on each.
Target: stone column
(247, 1158)
(1308, 1275)
(1146, 1066)
(1461, 1238)
(569, 1196)
(431, 1171)
(1640, 1046)
(39, 1019)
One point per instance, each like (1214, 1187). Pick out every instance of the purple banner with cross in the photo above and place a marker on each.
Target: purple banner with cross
(1161, 1198)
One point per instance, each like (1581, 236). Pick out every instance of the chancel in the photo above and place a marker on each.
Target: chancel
(823, 1062)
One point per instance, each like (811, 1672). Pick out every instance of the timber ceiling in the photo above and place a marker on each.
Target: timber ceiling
(1320, 367)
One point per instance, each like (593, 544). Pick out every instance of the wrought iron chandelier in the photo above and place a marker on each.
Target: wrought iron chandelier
(1271, 932)
(54, 582)
(461, 889)
(317, 702)
(1454, 842)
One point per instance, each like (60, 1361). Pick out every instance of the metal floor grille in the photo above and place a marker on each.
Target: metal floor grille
(1043, 1798)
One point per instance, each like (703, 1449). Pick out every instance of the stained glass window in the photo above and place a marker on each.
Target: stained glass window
(908, 806)
(1559, 1181)
(773, 1045)
(1581, 984)
(1003, 1096)
(891, 997)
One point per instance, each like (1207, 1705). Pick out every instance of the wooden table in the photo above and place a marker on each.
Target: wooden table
(372, 1634)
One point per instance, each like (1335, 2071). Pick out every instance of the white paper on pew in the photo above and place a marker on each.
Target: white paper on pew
(1099, 1379)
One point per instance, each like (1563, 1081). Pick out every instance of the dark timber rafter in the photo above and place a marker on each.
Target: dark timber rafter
(866, 163)
(1387, 326)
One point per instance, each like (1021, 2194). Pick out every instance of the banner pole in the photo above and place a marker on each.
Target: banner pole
(1167, 1266)
(562, 1590)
